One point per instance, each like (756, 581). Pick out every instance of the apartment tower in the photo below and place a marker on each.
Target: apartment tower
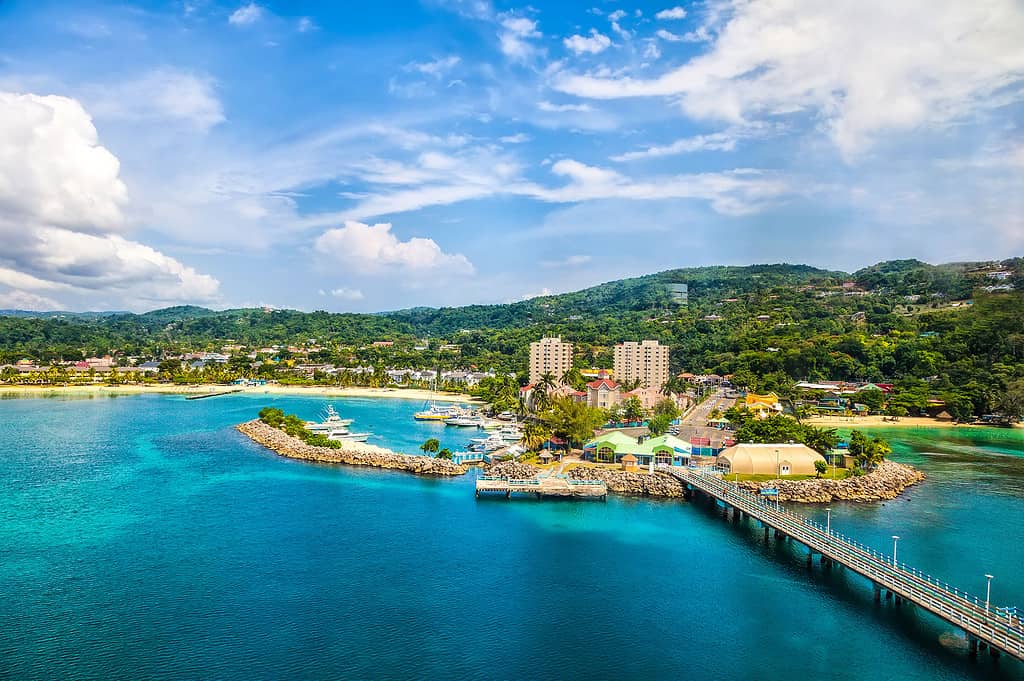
(646, 361)
(549, 356)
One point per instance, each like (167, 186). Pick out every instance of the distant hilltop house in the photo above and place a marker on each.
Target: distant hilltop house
(383, 344)
(763, 406)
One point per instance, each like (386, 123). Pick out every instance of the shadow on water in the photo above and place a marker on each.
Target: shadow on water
(853, 593)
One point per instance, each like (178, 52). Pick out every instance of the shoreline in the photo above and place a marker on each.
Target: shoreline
(203, 388)
(877, 421)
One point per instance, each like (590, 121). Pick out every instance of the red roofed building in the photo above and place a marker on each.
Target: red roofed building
(603, 393)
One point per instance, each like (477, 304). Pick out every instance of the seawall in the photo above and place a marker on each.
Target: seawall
(887, 481)
(351, 453)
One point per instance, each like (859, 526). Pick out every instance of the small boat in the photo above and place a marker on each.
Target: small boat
(487, 444)
(435, 413)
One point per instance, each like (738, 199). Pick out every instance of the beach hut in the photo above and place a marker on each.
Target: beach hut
(629, 463)
(545, 456)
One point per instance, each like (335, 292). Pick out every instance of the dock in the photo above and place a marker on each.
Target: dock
(550, 486)
(218, 394)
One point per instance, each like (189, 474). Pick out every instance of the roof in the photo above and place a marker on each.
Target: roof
(613, 439)
(746, 455)
(606, 383)
(629, 458)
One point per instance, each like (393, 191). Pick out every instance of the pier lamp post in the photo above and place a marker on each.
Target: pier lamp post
(988, 591)
(778, 467)
(895, 539)
(828, 521)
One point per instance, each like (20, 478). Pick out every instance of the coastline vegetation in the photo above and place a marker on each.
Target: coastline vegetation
(940, 334)
(296, 427)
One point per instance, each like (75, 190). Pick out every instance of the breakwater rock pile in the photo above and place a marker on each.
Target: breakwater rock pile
(887, 481)
(351, 453)
(631, 484)
(512, 469)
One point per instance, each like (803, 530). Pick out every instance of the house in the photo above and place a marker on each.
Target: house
(763, 406)
(769, 459)
(614, 445)
(603, 393)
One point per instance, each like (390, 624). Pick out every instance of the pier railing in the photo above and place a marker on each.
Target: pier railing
(999, 627)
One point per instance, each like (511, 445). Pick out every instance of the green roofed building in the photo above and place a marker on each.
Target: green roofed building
(613, 445)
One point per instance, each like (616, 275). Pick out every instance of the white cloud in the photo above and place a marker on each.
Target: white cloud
(518, 138)
(372, 248)
(669, 36)
(676, 12)
(61, 202)
(545, 105)
(305, 25)
(568, 261)
(847, 63)
(617, 15)
(436, 67)
(163, 95)
(595, 44)
(543, 293)
(344, 293)
(246, 15)
(22, 300)
(725, 140)
(515, 35)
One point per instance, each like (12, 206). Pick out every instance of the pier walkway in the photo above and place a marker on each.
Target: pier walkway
(998, 629)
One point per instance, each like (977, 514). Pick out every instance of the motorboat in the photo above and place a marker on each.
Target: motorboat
(332, 420)
(345, 435)
(466, 421)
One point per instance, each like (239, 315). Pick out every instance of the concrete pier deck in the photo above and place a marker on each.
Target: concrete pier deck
(550, 486)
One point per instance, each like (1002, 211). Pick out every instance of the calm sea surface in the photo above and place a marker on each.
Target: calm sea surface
(143, 537)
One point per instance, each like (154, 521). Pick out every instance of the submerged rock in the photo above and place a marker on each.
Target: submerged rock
(350, 453)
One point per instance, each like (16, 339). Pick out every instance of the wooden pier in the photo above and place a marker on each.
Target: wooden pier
(203, 396)
(550, 486)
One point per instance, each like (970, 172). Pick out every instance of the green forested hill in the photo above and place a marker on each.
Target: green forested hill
(957, 327)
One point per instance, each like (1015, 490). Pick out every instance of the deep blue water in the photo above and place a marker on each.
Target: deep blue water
(143, 537)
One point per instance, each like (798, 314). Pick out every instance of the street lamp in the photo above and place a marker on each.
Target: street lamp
(988, 591)
(778, 466)
(895, 539)
(828, 521)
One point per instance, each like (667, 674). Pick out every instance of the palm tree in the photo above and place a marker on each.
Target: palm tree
(535, 434)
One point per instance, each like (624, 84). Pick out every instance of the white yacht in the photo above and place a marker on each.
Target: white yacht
(466, 421)
(345, 435)
(332, 421)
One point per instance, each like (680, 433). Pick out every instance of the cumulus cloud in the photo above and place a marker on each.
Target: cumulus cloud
(669, 36)
(676, 12)
(61, 219)
(847, 63)
(246, 15)
(374, 248)
(594, 44)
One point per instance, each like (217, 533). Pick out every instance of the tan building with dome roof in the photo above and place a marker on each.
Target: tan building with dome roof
(769, 459)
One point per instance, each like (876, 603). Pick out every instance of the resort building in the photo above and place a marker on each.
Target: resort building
(763, 406)
(646, 361)
(604, 393)
(549, 356)
(769, 459)
(614, 446)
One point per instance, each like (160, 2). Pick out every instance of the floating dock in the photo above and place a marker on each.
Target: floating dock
(542, 487)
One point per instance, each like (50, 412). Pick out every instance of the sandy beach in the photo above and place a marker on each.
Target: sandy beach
(272, 389)
(881, 422)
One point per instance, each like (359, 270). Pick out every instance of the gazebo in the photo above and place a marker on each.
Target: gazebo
(629, 462)
(545, 456)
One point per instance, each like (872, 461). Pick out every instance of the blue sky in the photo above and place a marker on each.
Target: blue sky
(370, 156)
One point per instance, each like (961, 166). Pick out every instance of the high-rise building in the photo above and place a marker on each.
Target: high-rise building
(549, 356)
(646, 361)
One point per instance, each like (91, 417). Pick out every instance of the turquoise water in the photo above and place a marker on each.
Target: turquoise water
(143, 537)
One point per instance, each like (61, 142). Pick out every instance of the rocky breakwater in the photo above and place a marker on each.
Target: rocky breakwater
(512, 469)
(887, 481)
(631, 484)
(351, 453)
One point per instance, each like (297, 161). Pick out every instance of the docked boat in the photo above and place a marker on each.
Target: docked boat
(466, 421)
(332, 421)
(436, 413)
(487, 444)
(345, 435)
